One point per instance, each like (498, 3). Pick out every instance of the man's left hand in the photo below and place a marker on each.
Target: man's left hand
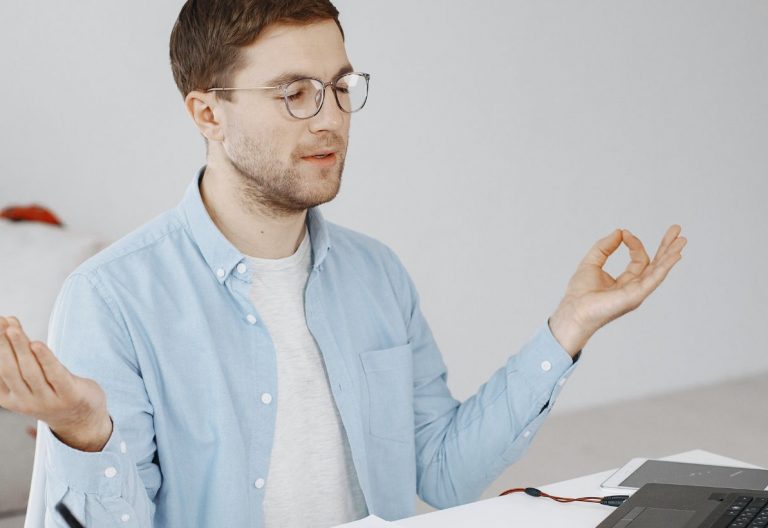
(593, 298)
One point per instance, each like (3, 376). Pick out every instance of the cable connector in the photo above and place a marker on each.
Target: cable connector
(614, 500)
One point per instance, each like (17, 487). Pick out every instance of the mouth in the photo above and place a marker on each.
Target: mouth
(321, 159)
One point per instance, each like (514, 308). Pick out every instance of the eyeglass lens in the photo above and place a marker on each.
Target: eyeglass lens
(305, 95)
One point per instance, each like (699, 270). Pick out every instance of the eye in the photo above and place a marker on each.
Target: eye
(294, 96)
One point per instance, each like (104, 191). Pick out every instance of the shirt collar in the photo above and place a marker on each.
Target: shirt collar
(218, 252)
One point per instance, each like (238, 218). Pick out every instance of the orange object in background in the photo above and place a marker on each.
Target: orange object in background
(30, 213)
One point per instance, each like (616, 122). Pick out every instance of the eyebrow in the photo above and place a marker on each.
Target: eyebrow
(292, 76)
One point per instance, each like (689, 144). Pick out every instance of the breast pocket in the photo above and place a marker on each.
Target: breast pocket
(389, 377)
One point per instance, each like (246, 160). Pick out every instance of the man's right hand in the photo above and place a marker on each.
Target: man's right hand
(34, 383)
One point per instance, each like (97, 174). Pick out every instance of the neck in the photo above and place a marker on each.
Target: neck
(252, 228)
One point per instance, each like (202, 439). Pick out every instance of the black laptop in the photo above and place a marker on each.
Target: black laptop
(676, 506)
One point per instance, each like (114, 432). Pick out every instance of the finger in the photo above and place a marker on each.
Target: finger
(9, 366)
(672, 232)
(58, 377)
(29, 368)
(660, 271)
(639, 258)
(603, 249)
(655, 274)
(671, 251)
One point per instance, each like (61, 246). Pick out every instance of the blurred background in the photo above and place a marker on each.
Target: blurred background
(500, 140)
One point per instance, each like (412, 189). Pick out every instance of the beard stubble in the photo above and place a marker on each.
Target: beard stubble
(279, 189)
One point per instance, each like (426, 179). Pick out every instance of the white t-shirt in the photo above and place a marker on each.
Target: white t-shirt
(312, 482)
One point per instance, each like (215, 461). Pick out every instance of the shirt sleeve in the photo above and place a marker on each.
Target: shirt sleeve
(461, 448)
(116, 486)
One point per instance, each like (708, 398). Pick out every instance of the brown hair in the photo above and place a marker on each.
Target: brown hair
(207, 38)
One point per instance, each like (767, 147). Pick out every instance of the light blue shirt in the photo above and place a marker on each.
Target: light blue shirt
(162, 320)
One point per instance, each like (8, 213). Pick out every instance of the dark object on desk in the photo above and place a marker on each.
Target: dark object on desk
(639, 471)
(70, 519)
(676, 506)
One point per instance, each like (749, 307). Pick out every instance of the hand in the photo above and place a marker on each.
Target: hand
(593, 298)
(34, 383)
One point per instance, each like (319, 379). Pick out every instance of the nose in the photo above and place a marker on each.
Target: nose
(330, 116)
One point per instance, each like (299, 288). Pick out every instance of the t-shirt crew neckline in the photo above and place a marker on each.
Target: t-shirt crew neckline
(265, 264)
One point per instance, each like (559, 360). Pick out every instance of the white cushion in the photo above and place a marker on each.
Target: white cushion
(35, 258)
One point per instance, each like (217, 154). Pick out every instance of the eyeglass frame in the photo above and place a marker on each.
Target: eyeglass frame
(284, 87)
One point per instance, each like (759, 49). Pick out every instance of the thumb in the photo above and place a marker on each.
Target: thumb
(602, 249)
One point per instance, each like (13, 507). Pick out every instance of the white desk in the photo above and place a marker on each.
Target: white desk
(518, 509)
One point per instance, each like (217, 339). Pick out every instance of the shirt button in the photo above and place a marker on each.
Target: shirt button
(251, 319)
(546, 366)
(266, 398)
(259, 483)
(110, 472)
(241, 268)
(526, 434)
(123, 447)
(220, 273)
(125, 517)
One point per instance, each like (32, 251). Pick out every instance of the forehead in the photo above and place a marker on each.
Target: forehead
(315, 48)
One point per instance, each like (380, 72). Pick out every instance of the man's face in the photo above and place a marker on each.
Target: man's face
(264, 143)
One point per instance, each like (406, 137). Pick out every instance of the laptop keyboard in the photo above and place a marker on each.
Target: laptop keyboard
(745, 512)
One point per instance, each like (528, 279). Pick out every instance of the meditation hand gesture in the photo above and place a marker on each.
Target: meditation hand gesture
(593, 298)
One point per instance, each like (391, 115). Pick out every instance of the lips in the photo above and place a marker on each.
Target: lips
(320, 153)
(328, 160)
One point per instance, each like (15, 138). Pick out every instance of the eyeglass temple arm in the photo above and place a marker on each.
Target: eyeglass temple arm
(232, 89)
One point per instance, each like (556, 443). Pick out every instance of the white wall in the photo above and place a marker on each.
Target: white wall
(500, 140)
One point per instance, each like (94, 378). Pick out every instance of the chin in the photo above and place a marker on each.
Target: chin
(326, 183)
(320, 198)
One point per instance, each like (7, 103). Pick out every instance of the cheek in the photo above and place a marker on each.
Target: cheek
(258, 123)
(271, 142)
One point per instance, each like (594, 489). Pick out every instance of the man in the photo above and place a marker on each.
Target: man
(239, 361)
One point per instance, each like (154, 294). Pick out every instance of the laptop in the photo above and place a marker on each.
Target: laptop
(677, 506)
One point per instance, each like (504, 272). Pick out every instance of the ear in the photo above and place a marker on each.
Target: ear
(207, 113)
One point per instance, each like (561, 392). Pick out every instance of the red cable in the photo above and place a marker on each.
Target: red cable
(612, 500)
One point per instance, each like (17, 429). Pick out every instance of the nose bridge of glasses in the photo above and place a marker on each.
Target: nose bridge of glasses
(320, 93)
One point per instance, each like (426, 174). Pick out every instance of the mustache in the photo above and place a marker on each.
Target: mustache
(337, 146)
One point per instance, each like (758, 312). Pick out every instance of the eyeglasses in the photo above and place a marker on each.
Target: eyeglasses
(304, 97)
